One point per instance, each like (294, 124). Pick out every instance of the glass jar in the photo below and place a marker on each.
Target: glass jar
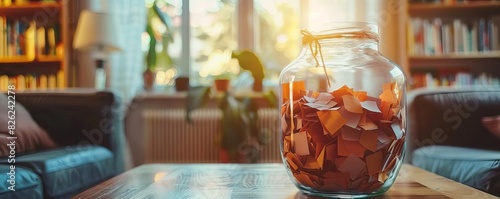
(343, 112)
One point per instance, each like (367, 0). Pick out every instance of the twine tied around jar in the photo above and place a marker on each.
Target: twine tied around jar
(311, 40)
(315, 47)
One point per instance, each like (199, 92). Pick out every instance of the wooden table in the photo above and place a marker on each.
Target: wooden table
(254, 181)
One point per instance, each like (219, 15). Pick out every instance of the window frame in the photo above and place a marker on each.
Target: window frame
(245, 13)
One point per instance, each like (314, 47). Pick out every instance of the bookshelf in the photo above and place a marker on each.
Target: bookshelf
(32, 42)
(453, 43)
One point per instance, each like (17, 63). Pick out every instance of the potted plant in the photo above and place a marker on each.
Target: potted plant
(152, 56)
(238, 135)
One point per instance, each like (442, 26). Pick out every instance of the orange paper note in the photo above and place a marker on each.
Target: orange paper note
(331, 120)
(353, 166)
(350, 134)
(352, 119)
(352, 104)
(321, 158)
(344, 90)
(361, 95)
(296, 87)
(369, 140)
(300, 143)
(311, 163)
(346, 148)
(374, 163)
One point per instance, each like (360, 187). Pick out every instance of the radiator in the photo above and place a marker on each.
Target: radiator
(171, 139)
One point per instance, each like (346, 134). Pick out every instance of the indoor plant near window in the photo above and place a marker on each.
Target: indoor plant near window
(152, 56)
(239, 136)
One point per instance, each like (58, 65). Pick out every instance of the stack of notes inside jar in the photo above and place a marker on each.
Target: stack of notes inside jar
(342, 140)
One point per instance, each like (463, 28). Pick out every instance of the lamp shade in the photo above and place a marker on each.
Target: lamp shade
(96, 31)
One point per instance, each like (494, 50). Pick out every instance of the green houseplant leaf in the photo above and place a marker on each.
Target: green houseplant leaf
(152, 55)
(166, 20)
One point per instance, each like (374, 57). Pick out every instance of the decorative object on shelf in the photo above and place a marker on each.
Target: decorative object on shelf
(222, 85)
(182, 83)
(96, 32)
(239, 136)
(249, 61)
(346, 141)
(151, 55)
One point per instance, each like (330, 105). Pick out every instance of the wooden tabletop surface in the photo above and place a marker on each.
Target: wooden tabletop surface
(254, 181)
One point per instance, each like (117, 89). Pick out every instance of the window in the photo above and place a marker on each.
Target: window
(168, 54)
(214, 32)
(277, 34)
(213, 37)
(270, 28)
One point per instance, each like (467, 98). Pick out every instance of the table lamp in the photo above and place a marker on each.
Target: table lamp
(96, 32)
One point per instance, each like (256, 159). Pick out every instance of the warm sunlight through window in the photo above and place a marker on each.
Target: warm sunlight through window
(213, 31)
(277, 34)
(217, 27)
(168, 53)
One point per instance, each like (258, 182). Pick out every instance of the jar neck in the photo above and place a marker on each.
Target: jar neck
(351, 42)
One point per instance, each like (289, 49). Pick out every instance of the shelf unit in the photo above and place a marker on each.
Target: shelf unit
(453, 9)
(472, 62)
(32, 62)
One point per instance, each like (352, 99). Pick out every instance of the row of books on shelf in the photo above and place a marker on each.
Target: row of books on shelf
(23, 38)
(33, 82)
(441, 37)
(17, 2)
(447, 1)
(431, 80)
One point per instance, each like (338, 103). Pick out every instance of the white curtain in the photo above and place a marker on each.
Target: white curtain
(125, 68)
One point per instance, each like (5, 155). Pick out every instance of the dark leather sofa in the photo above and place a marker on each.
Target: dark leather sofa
(446, 135)
(86, 127)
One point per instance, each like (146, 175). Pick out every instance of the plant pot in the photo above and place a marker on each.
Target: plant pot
(182, 83)
(222, 85)
(149, 79)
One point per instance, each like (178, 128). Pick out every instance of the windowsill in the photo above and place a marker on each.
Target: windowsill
(170, 92)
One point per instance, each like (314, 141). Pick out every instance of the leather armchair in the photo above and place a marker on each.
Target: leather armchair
(88, 130)
(446, 135)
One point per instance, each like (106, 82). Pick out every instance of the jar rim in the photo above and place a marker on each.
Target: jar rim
(341, 27)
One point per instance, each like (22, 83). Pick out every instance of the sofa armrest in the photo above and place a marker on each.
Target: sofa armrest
(452, 117)
(73, 118)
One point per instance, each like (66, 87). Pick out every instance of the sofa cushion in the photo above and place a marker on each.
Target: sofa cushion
(452, 117)
(27, 183)
(465, 165)
(492, 124)
(73, 117)
(69, 170)
(30, 136)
